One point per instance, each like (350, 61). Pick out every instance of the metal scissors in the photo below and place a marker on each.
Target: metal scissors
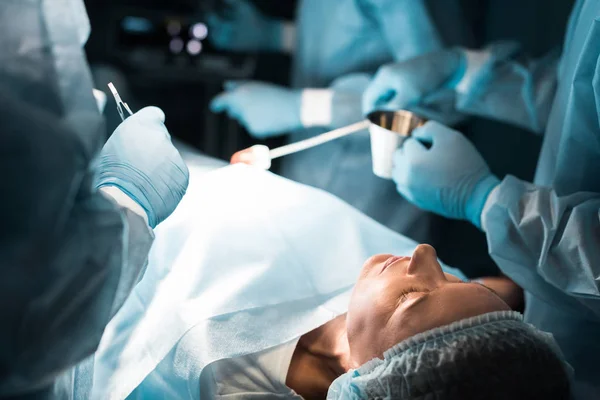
(121, 105)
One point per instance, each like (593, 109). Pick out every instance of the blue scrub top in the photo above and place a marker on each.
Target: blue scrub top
(546, 236)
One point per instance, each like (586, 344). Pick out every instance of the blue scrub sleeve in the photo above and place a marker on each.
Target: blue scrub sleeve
(531, 230)
(500, 83)
(70, 255)
(406, 26)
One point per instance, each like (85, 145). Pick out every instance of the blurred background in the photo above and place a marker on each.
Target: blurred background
(157, 52)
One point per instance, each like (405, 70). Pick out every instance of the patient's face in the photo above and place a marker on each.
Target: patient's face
(397, 297)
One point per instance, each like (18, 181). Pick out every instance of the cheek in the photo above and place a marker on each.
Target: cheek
(373, 300)
(358, 310)
(368, 313)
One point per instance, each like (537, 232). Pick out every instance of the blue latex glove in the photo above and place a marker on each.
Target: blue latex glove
(450, 178)
(140, 159)
(424, 84)
(264, 109)
(244, 28)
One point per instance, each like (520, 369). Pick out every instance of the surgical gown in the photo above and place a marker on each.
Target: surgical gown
(546, 236)
(336, 38)
(69, 256)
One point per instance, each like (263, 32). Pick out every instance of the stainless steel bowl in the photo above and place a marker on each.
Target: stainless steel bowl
(400, 121)
(388, 131)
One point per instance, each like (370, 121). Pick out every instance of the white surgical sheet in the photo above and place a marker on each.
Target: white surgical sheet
(247, 261)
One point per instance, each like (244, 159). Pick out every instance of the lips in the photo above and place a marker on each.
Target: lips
(392, 260)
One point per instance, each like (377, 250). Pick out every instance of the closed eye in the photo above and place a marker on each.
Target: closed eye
(407, 292)
(404, 296)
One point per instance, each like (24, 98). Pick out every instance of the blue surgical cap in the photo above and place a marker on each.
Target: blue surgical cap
(491, 356)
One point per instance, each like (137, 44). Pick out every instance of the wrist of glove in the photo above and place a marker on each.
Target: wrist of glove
(480, 192)
(124, 201)
(316, 107)
(337, 106)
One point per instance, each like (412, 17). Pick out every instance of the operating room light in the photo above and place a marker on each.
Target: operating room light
(194, 47)
(176, 45)
(199, 31)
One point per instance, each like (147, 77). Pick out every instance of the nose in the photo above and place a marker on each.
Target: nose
(424, 250)
(423, 255)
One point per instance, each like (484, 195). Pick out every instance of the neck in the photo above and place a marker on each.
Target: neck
(341, 347)
(320, 357)
(330, 342)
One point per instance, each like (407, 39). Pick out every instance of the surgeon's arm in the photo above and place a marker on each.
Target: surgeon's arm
(406, 26)
(70, 255)
(532, 230)
(499, 83)
(139, 238)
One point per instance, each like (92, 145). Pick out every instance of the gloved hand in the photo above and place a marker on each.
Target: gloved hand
(141, 161)
(244, 28)
(264, 109)
(450, 178)
(424, 84)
